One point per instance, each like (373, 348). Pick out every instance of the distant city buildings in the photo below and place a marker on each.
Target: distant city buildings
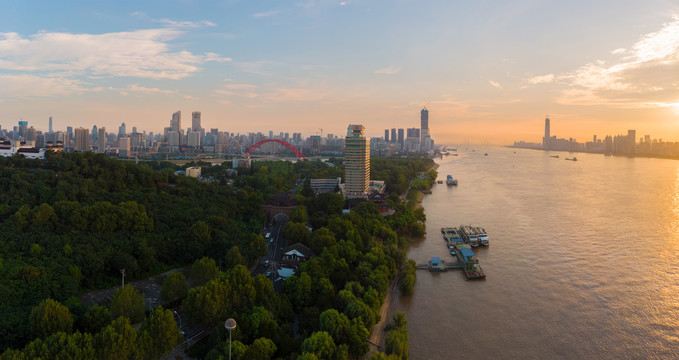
(626, 145)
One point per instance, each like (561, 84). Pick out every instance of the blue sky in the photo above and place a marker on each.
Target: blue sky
(487, 70)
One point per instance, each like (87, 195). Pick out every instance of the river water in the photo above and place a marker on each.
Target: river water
(583, 259)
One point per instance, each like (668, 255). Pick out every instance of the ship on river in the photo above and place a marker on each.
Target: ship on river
(451, 181)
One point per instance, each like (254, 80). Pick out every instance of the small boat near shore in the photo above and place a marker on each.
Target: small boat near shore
(572, 159)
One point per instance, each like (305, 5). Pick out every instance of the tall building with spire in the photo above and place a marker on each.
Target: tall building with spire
(356, 162)
(547, 138)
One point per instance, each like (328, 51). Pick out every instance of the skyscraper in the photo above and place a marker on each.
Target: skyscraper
(176, 126)
(393, 135)
(82, 139)
(122, 130)
(50, 127)
(102, 140)
(176, 122)
(632, 140)
(545, 140)
(386, 135)
(401, 138)
(424, 130)
(195, 121)
(356, 162)
(424, 118)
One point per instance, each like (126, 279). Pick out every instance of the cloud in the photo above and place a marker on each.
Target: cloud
(643, 76)
(136, 88)
(272, 94)
(25, 85)
(543, 79)
(175, 23)
(389, 70)
(495, 84)
(260, 15)
(344, 3)
(141, 53)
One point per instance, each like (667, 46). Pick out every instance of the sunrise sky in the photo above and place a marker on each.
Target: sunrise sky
(486, 70)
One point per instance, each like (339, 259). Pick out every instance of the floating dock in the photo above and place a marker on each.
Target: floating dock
(471, 270)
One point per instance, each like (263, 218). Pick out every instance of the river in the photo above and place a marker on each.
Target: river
(583, 259)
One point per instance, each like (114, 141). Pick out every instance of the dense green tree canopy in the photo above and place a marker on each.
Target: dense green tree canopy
(175, 287)
(50, 317)
(129, 303)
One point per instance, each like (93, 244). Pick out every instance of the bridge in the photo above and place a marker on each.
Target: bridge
(294, 149)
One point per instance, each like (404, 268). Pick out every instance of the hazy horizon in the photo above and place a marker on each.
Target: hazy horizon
(487, 71)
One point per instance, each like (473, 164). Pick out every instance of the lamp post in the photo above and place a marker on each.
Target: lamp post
(230, 324)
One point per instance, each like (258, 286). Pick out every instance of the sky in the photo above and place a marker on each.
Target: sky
(488, 71)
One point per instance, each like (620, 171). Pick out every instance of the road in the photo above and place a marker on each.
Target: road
(269, 264)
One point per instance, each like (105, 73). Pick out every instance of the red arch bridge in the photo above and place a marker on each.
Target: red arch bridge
(294, 149)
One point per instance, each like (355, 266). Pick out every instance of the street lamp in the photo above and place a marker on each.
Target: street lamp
(230, 324)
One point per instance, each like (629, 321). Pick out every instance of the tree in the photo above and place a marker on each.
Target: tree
(296, 233)
(261, 348)
(234, 257)
(163, 331)
(335, 324)
(320, 344)
(95, 318)
(200, 233)
(407, 282)
(129, 303)
(257, 246)
(118, 341)
(203, 270)
(299, 215)
(174, 288)
(50, 317)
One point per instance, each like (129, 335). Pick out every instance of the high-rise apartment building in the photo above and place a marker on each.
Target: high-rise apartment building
(401, 138)
(124, 146)
(356, 162)
(386, 135)
(82, 139)
(393, 135)
(101, 141)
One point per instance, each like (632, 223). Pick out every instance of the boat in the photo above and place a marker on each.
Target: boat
(469, 235)
(555, 156)
(451, 181)
(451, 250)
(572, 159)
(454, 154)
(483, 236)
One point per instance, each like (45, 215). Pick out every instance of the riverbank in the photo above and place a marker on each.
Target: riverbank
(377, 338)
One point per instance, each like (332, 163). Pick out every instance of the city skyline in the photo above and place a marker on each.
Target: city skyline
(486, 72)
